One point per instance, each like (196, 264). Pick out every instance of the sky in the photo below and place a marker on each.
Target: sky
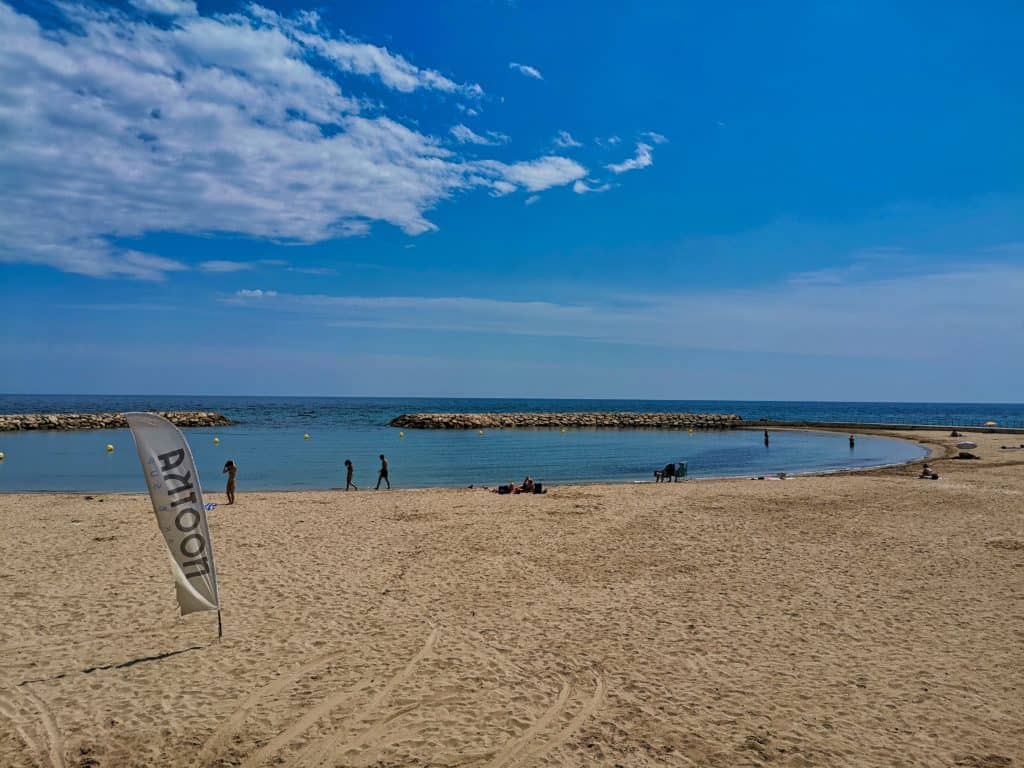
(761, 201)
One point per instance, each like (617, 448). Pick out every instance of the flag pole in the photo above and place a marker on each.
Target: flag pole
(220, 628)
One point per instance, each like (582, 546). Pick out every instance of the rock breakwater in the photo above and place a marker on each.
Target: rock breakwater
(14, 422)
(605, 420)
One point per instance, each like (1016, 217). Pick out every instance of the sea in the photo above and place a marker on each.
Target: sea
(269, 442)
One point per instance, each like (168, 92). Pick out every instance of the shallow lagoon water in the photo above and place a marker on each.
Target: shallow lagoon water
(278, 458)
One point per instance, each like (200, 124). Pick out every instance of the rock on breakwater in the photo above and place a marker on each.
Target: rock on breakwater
(14, 422)
(607, 420)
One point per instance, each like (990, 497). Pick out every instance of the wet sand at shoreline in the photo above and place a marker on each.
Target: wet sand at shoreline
(866, 618)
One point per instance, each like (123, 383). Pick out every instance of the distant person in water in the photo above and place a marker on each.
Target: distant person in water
(766, 438)
(852, 441)
(231, 469)
(383, 475)
(349, 470)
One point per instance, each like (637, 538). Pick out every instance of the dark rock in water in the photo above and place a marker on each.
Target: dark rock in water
(606, 420)
(13, 422)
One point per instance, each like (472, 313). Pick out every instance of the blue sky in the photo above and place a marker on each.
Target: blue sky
(798, 201)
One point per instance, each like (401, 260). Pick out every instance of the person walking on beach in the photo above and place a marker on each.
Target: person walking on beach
(231, 469)
(383, 473)
(348, 476)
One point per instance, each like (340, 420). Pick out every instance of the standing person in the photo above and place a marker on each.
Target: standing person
(766, 438)
(852, 441)
(231, 469)
(348, 476)
(383, 473)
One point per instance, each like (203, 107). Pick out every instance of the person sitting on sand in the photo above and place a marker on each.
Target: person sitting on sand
(231, 469)
(528, 485)
(349, 471)
(928, 474)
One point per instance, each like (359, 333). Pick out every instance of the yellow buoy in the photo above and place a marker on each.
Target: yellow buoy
(479, 431)
(564, 430)
(110, 448)
(306, 436)
(216, 441)
(1, 455)
(401, 434)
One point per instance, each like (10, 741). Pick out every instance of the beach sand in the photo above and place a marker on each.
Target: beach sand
(855, 619)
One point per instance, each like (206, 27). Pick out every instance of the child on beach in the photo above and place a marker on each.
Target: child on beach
(231, 469)
(348, 476)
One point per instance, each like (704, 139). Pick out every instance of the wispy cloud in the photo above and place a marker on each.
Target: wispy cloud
(564, 140)
(642, 159)
(582, 188)
(217, 265)
(532, 199)
(357, 57)
(538, 175)
(213, 124)
(657, 138)
(836, 319)
(465, 135)
(526, 69)
(167, 7)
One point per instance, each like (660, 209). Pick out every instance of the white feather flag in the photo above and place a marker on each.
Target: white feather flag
(178, 503)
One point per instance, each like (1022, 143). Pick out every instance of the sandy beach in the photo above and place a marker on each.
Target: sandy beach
(867, 619)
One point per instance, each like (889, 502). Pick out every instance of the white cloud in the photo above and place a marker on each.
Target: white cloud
(218, 265)
(255, 293)
(466, 135)
(641, 159)
(565, 140)
(526, 69)
(657, 138)
(538, 175)
(220, 124)
(611, 141)
(582, 188)
(167, 7)
(532, 199)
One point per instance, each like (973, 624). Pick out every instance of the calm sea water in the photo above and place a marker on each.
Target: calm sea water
(269, 448)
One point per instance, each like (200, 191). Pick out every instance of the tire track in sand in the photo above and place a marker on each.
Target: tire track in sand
(219, 737)
(51, 745)
(516, 745)
(322, 751)
(303, 724)
(525, 750)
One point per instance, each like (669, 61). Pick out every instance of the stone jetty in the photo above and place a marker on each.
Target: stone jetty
(14, 422)
(604, 420)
